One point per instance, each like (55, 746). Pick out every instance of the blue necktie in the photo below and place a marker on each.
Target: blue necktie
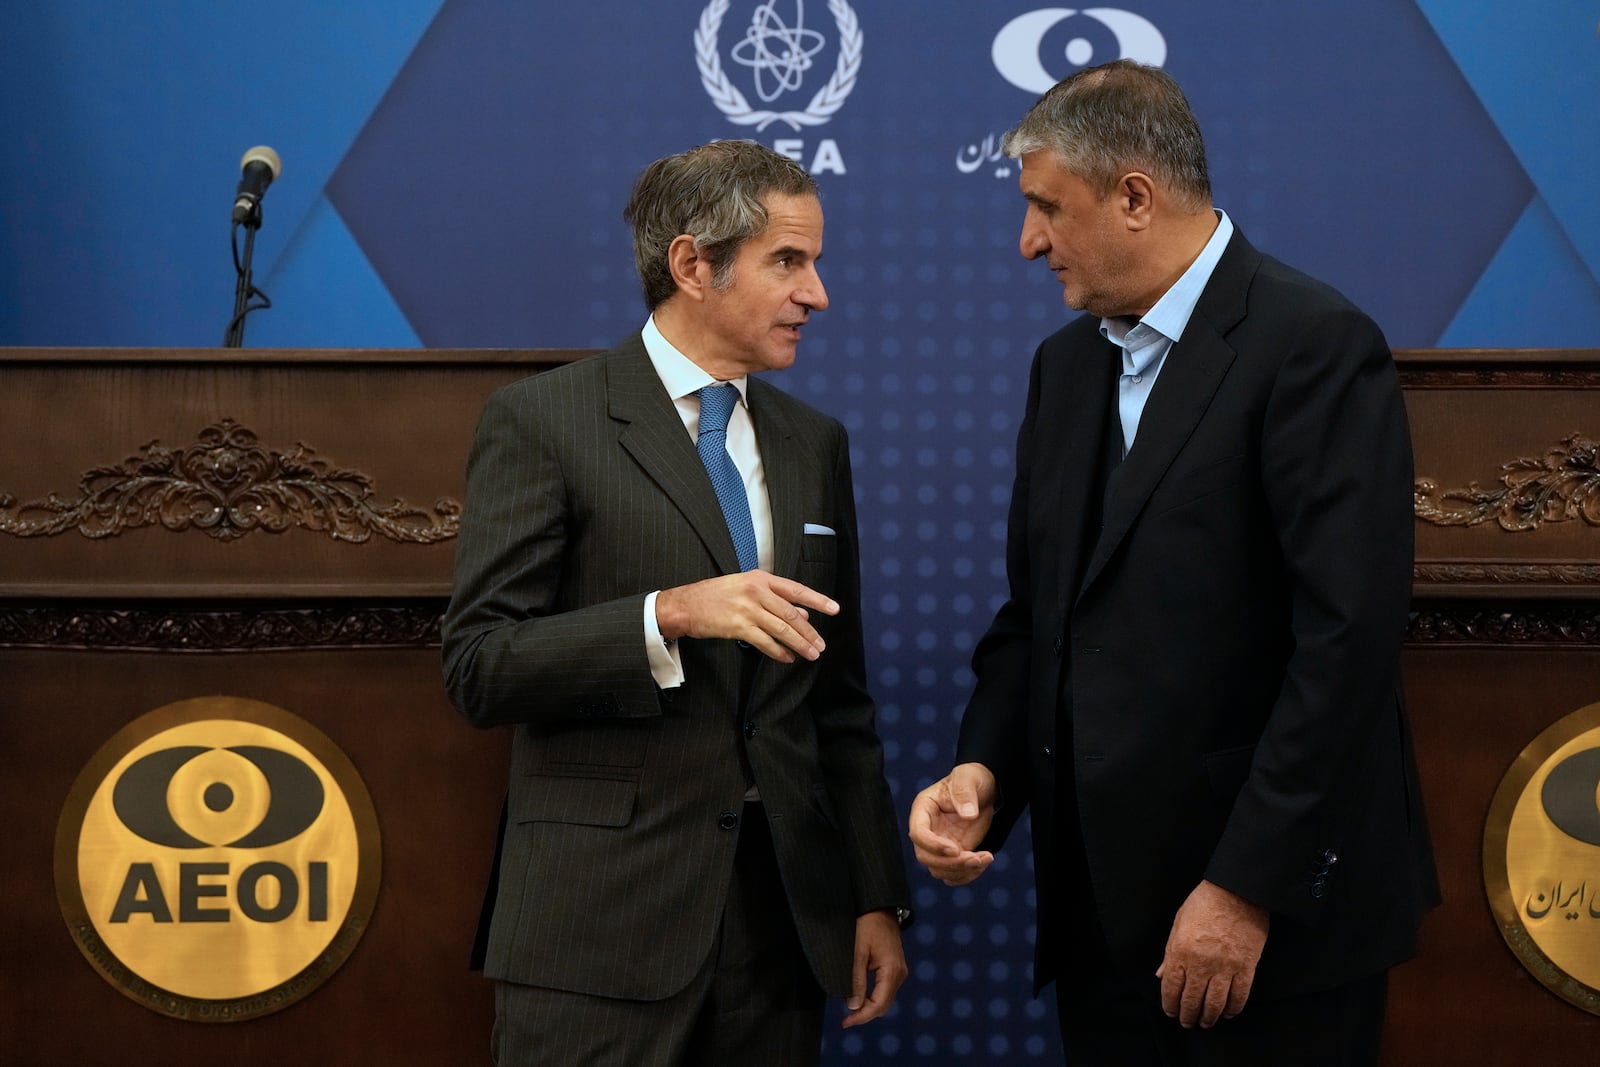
(716, 405)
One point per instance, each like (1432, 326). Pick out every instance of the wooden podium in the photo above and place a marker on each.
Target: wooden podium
(277, 525)
(1504, 641)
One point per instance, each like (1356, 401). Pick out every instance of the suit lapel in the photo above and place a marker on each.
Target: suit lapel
(781, 462)
(654, 436)
(1084, 418)
(1189, 379)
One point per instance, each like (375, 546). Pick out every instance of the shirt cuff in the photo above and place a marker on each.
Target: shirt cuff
(665, 666)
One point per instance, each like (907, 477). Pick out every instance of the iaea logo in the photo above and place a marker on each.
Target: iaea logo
(779, 50)
(1017, 47)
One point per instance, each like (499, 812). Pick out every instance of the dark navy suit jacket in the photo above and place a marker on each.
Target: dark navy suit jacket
(1212, 666)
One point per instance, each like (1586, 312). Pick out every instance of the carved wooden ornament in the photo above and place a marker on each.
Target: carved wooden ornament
(227, 484)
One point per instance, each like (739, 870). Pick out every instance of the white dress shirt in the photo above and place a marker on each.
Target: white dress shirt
(683, 379)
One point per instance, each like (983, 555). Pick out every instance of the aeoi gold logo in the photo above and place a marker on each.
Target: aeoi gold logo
(217, 859)
(1541, 858)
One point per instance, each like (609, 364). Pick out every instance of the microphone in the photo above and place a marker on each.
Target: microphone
(260, 166)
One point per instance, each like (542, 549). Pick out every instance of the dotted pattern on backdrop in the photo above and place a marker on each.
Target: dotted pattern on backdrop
(923, 354)
(930, 381)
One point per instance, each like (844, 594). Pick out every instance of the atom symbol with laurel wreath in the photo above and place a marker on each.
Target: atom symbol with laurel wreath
(787, 65)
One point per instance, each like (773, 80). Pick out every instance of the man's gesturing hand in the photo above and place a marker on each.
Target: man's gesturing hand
(951, 816)
(1212, 952)
(767, 612)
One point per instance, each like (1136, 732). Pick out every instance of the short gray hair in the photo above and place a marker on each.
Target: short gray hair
(1105, 121)
(712, 193)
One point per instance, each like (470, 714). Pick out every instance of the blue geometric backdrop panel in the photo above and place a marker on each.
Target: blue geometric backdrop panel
(123, 125)
(1536, 72)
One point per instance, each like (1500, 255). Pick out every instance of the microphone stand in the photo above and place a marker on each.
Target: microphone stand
(245, 289)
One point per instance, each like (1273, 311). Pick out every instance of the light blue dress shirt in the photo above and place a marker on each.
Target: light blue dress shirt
(1146, 341)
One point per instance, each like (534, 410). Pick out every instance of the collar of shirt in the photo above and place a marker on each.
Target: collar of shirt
(1140, 340)
(682, 379)
(681, 376)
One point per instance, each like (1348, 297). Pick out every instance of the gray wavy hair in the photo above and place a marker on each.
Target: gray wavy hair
(712, 193)
(1105, 121)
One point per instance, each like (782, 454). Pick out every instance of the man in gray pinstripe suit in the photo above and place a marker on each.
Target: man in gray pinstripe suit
(700, 843)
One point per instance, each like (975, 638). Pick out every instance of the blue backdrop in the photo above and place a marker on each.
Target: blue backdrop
(454, 174)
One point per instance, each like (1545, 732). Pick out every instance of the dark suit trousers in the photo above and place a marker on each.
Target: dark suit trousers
(754, 1002)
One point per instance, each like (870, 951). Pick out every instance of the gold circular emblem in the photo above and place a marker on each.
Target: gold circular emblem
(217, 859)
(1541, 858)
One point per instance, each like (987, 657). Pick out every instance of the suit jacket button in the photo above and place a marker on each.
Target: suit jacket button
(1319, 889)
(1049, 753)
(1330, 857)
(728, 820)
(749, 729)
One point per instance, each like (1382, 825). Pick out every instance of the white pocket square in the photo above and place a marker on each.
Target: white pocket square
(814, 528)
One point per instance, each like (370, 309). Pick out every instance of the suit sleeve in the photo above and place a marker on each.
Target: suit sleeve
(994, 728)
(849, 748)
(1336, 469)
(510, 653)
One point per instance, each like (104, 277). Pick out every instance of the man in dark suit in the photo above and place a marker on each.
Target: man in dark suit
(657, 586)
(1194, 682)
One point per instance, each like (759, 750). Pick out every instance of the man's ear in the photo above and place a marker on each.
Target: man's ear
(689, 268)
(1135, 192)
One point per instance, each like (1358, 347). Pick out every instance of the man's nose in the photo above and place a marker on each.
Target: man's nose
(813, 294)
(1033, 242)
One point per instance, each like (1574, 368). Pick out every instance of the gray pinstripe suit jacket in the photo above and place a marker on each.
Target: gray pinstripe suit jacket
(584, 494)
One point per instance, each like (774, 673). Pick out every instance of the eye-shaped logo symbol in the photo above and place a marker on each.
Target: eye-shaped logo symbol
(1541, 857)
(195, 797)
(1570, 796)
(1017, 47)
(217, 859)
